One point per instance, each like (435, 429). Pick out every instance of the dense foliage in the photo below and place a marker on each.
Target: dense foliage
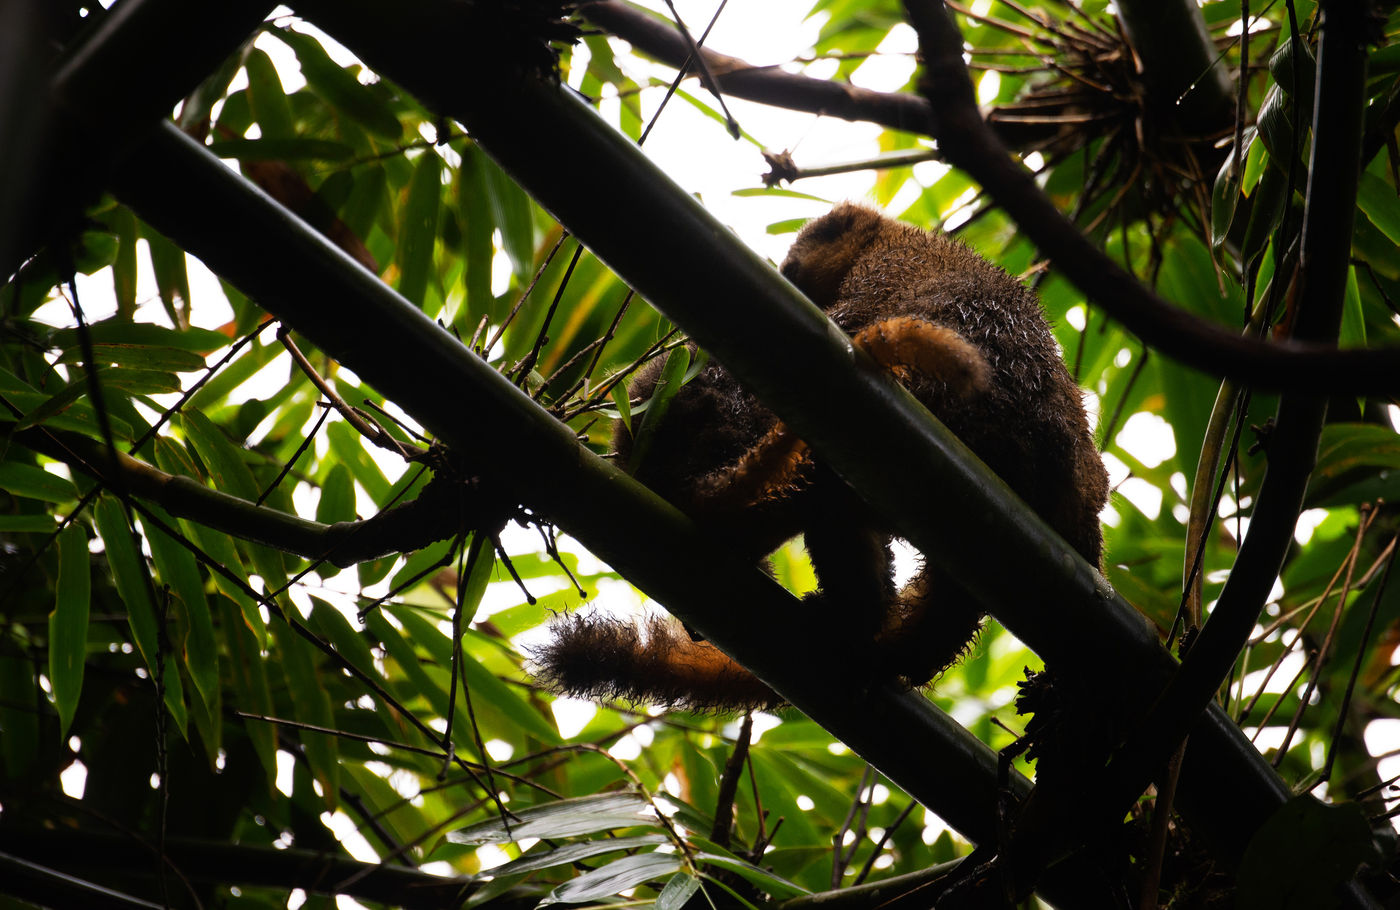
(261, 641)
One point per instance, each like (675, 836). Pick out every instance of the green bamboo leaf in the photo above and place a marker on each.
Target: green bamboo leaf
(267, 97)
(292, 148)
(123, 224)
(175, 694)
(146, 357)
(677, 892)
(129, 573)
(35, 483)
(1303, 854)
(337, 502)
(248, 677)
(27, 524)
(349, 642)
(418, 233)
(510, 212)
(139, 382)
(420, 562)
(340, 88)
(19, 747)
(224, 461)
(614, 878)
(1345, 447)
(1353, 330)
(254, 358)
(773, 885)
(144, 334)
(310, 705)
(68, 624)
(1378, 201)
(349, 448)
(478, 227)
(486, 689)
(563, 818)
(666, 388)
(400, 649)
(178, 569)
(572, 853)
(172, 276)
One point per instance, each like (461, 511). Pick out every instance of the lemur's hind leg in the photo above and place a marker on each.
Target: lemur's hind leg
(930, 625)
(852, 562)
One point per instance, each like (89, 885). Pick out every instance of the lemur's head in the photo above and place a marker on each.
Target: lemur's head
(826, 249)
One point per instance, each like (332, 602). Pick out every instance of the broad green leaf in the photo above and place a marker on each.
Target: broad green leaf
(129, 573)
(26, 480)
(223, 460)
(563, 818)
(68, 623)
(418, 233)
(347, 641)
(175, 694)
(614, 878)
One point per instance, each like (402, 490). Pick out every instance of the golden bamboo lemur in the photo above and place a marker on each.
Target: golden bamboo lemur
(970, 342)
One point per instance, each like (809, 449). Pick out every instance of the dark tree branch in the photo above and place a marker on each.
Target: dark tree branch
(81, 853)
(968, 144)
(657, 38)
(447, 506)
(1185, 76)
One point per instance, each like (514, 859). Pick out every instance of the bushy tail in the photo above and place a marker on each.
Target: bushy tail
(654, 663)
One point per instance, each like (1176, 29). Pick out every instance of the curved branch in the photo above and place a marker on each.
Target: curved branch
(771, 85)
(83, 852)
(969, 144)
(445, 507)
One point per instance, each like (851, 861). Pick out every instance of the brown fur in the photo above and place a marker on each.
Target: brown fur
(972, 345)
